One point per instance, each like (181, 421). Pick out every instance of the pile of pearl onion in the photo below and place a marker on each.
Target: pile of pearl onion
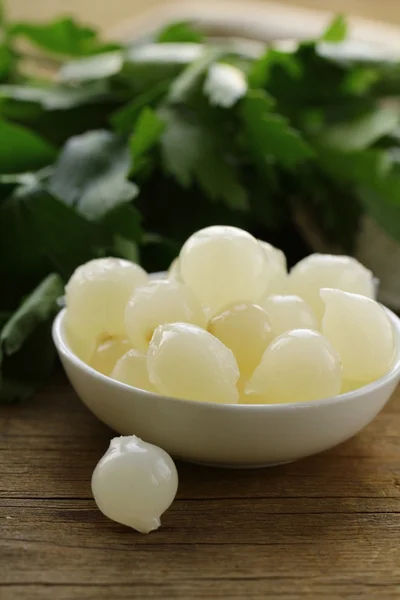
(228, 325)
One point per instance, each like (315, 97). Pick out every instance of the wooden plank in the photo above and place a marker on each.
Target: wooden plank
(324, 527)
(65, 473)
(113, 557)
(256, 589)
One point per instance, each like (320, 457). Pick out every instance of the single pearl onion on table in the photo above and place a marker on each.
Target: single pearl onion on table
(289, 312)
(299, 366)
(223, 265)
(134, 483)
(246, 330)
(108, 353)
(131, 369)
(159, 302)
(361, 332)
(185, 361)
(96, 297)
(318, 271)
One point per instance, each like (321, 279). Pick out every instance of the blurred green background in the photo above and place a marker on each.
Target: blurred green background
(111, 14)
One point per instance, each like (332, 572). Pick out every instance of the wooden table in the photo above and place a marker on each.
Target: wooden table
(324, 528)
(108, 15)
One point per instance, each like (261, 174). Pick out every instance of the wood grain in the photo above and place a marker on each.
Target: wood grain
(326, 527)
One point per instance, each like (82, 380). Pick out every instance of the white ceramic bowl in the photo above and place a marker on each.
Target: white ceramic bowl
(222, 434)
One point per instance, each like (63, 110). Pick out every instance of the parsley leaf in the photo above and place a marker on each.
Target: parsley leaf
(271, 135)
(22, 149)
(336, 31)
(148, 129)
(92, 173)
(192, 153)
(180, 32)
(62, 36)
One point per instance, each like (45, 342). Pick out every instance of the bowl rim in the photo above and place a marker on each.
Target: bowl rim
(63, 349)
